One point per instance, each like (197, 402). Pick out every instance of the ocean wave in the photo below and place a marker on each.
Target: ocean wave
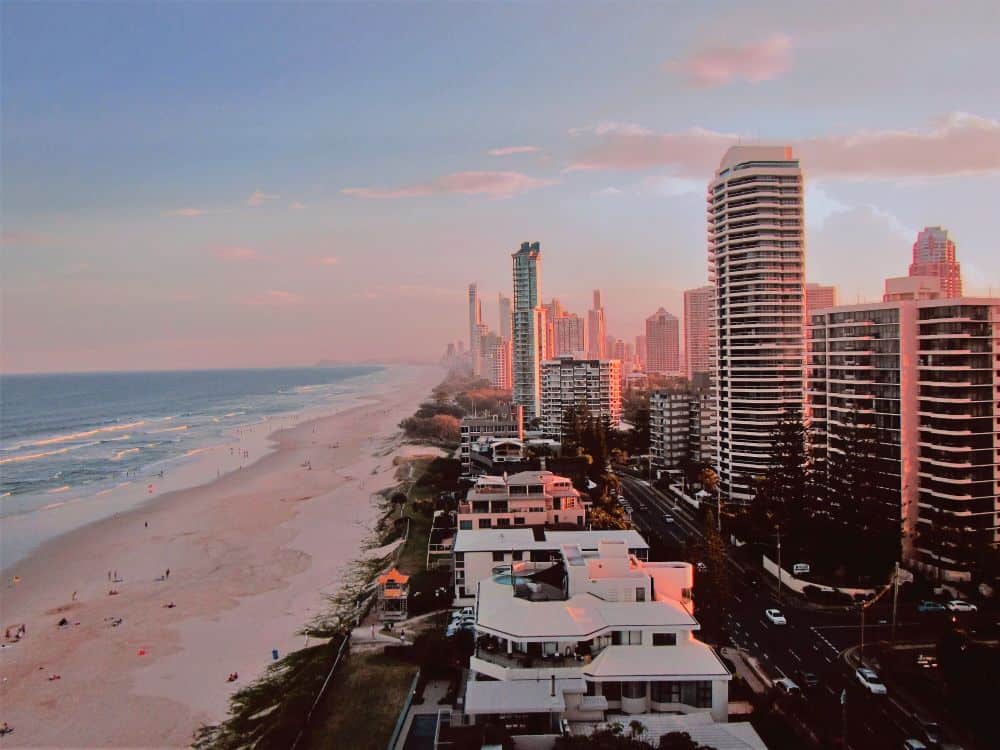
(181, 428)
(34, 456)
(233, 414)
(121, 454)
(85, 433)
(57, 490)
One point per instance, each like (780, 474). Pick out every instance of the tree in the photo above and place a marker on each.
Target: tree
(636, 728)
(781, 495)
(680, 741)
(712, 588)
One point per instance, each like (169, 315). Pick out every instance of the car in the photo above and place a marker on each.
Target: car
(958, 605)
(701, 567)
(807, 679)
(787, 687)
(929, 607)
(913, 744)
(667, 518)
(931, 731)
(870, 681)
(775, 617)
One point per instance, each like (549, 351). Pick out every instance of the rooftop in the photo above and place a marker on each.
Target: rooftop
(685, 660)
(496, 540)
(580, 617)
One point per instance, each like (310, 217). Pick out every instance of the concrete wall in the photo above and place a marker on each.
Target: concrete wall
(798, 585)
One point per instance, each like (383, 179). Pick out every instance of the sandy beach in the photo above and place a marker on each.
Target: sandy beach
(251, 556)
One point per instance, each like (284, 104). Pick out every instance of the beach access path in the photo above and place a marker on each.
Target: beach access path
(250, 555)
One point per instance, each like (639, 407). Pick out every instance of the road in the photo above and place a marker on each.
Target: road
(812, 641)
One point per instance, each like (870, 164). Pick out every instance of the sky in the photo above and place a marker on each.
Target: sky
(215, 184)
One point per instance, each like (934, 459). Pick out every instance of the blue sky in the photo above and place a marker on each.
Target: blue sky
(174, 174)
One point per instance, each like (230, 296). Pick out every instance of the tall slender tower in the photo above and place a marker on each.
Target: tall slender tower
(504, 311)
(596, 329)
(475, 338)
(757, 256)
(934, 255)
(528, 327)
(699, 330)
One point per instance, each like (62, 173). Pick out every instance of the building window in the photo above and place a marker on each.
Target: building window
(516, 555)
(485, 523)
(666, 692)
(612, 690)
(664, 639)
(703, 698)
(498, 557)
(626, 638)
(519, 520)
(633, 690)
(465, 525)
(640, 594)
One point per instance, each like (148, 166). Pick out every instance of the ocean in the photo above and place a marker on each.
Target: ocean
(71, 438)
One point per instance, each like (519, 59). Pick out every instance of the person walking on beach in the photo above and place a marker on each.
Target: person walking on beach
(167, 574)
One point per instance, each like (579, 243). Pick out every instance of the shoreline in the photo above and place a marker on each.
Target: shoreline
(251, 555)
(198, 466)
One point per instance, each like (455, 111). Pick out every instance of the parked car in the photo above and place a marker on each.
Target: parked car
(870, 681)
(928, 607)
(913, 744)
(931, 731)
(787, 686)
(958, 605)
(667, 518)
(701, 567)
(775, 617)
(807, 679)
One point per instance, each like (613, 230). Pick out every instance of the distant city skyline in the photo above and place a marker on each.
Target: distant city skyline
(175, 198)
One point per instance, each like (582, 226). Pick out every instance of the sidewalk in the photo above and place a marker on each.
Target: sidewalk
(749, 669)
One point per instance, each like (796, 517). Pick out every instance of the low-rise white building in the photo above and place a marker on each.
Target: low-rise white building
(575, 642)
(528, 498)
(480, 554)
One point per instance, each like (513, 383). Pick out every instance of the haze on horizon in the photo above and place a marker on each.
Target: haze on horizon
(218, 185)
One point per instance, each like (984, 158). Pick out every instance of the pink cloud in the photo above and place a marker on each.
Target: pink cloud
(259, 197)
(753, 62)
(512, 150)
(958, 144)
(237, 253)
(329, 260)
(185, 212)
(490, 184)
(296, 206)
(274, 298)
(24, 239)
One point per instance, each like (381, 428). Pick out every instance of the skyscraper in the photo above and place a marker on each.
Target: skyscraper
(553, 311)
(528, 327)
(757, 258)
(504, 312)
(920, 374)
(591, 383)
(596, 329)
(663, 347)
(475, 318)
(934, 255)
(640, 350)
(699, 330)
(568, 336)
(820, 297)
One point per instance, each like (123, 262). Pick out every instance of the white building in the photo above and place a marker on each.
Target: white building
(699, 330)
(528, 498)
(583, 640)
(569, 336)
(507, 424)
(475, 334)
(595, 384)
(757, 256)
(483, 553)
(663, 343)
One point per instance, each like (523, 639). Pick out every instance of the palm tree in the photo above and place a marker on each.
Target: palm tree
(636, 728)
